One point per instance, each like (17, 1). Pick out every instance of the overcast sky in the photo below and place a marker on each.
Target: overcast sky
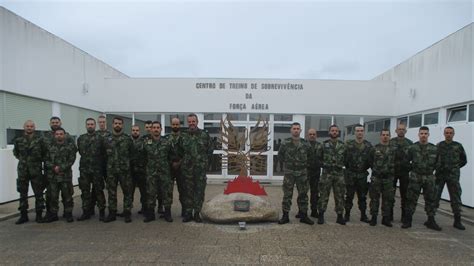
(247, 39)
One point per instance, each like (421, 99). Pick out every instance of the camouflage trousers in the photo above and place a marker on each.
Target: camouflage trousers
(313, 176)
(113, 178)
(67, 191)
(356, 183)
(454, 188)
(334, 180)
(139, 181)
(402, 178)
(381, 187)
(91, 182)
(38, 186)
(194, 184)
(417, 183)
(299, 178)
(178, 177)
(162, 184)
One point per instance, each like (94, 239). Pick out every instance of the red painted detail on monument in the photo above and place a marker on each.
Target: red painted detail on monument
(245, 184)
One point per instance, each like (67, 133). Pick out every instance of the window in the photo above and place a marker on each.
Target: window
(324, 123)
(378, 126)
(431, 118)
(212, 116)
(262, 117)
(457, 114)
(371, 127)
(471, 112)
(350, 130)
(283, 117)
(414, 120)
(236, 117)
(402, 120)
(386, 124)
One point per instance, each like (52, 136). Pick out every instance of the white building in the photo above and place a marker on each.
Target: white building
(42, 75)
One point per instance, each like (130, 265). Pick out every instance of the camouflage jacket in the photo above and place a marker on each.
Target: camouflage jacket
(176, 151)
(104, 134)
(402, 164)
(382, 160)
(157, 154)
(30, 153)
(119, 149)
(294, 155)
(315, 155)
(333, 155)
(91, 149)
(423, 158)
(138, 159)
(451, 156)
(357, 156)
(195, 147)
(63, 156)
(48, 138)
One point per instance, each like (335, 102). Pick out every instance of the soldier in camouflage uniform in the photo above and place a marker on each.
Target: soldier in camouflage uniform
(176, 155)
(293, 153)
(195, 145)
(157, 151)
(91, 149)
(423, 158)
(357, 163)
(59, 160)
(315, 156)
(29, 151)
(402, 166)
(104, 133)
(451, 157)
(333, 175)
(119, 149)
(138, 164)
(382, 160)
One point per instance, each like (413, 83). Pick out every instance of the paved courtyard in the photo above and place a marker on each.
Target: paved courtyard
(159, 242)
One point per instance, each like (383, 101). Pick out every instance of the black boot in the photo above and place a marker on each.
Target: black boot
(119, 214)
(111, 217)
(363, 217)
(23, 218)
(284, 218)
(50, 217)
(298, 215)
(92, 211)
(102, 215)
(391, 215)
(127, 216)
(141, 211)
(167, 215)
(68, 216)
(373, 221)
(321, 217)
(386, 221)
(39, 216)
(149, 216)
(85, 216)
(161, 209)
(183, 212)
(457, 222)
(197, 217)
(305, 219)
(402, 216)
(431, 224)
(407, 223)
(347, 216)
(188, 217)
(314, 213)
(340, 220)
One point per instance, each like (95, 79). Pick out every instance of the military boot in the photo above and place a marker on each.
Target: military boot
(23, 218)
(314, 213)
(92, 211)
(321, 217)
(197, 217)
(431, 224)
(391, 215)
(363, 217)
(457, 222)
(167, 215)
(127, 216)
(111, 217)
(101, 215)
(373, 221)
(85, 216)
(340, 220)
(149, 216)
(50, 217)
(39, 216)
(402, 216)
(161, 209)
(305, 219)
(298, 215)
(141, 211)
(386, 221)
(284, 218)
(69, 217)
(407, 223)
(188, 217)
(347, 215)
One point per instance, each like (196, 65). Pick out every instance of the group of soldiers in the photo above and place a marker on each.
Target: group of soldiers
(416, 167)
(151, 162)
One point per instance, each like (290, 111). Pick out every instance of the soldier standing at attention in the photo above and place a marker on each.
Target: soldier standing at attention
(357, 163)
(104, 133)
(333, 175)
(451, 157)
(423, 158)
(382, 159)
(119, 148)
(402, 166)
(157, 151)
(196, 146)
(91, 149)
(59, 160)
(29, 151)
(176, 155)
(138, 164)
(314, 169)
(293, 153)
